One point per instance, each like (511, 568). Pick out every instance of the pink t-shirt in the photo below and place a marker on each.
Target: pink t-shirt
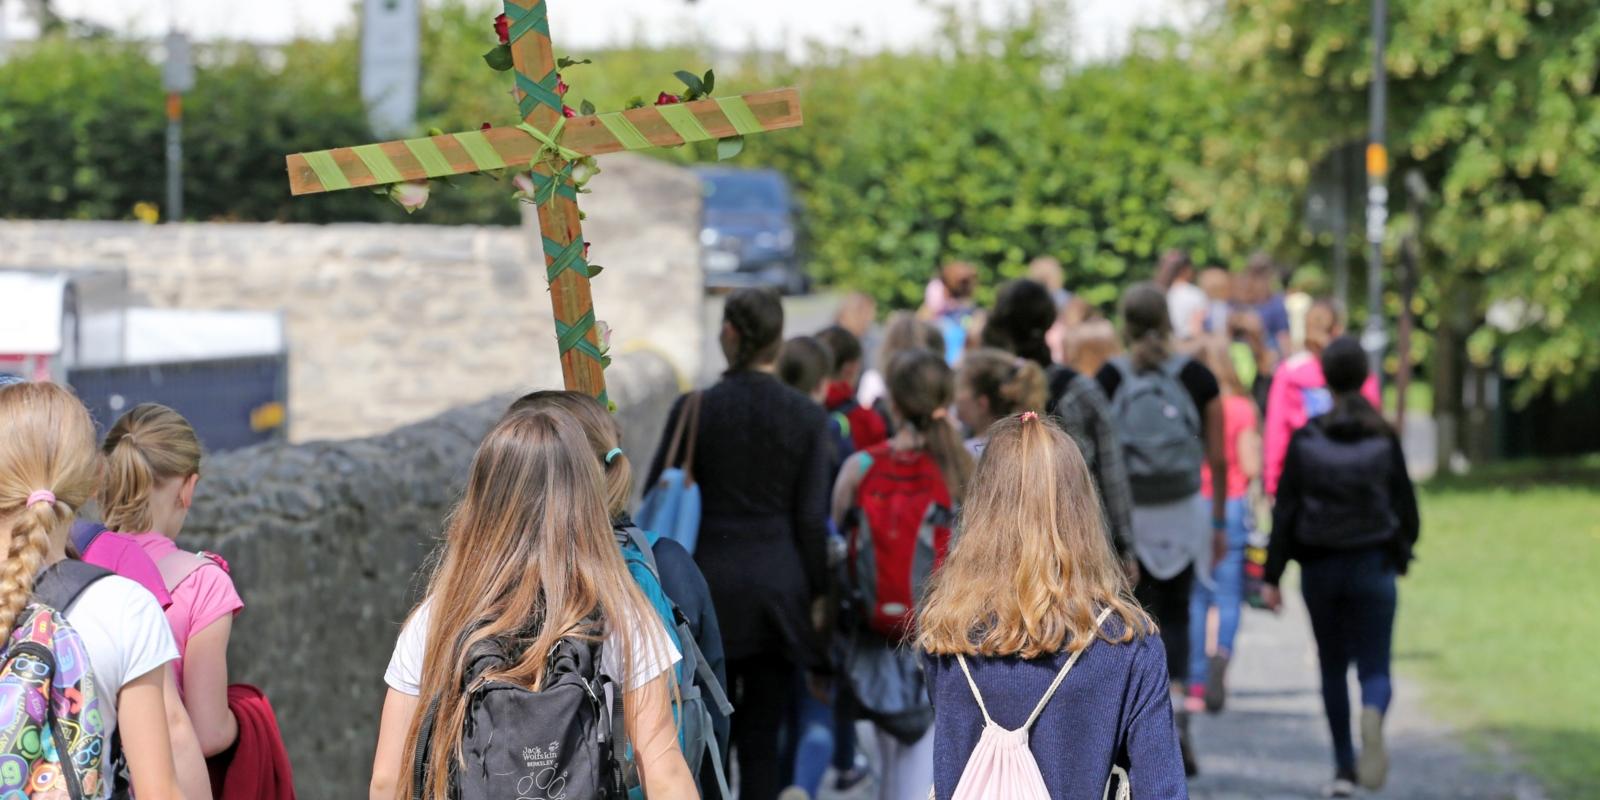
(119, 553)
(1238, 416)
(204, 597)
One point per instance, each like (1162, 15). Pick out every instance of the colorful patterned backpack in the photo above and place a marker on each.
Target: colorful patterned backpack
(51, 731)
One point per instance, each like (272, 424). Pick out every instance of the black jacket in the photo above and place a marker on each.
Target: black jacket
(761, 460)
(1342, 489)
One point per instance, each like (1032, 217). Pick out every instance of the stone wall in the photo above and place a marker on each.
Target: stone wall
(325, 541)
(390, 324)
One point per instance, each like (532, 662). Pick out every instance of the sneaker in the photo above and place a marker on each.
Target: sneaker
(1195, 701)
(1341, 787)
(793, 793)
(1191, 767)
(851, 778)
(1216, 692)
(1372, 767)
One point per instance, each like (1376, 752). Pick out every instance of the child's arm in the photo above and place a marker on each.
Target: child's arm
(1155, 765)
(146, 743)
(398, 710)
(186, 755)
(1248, 446)
(205, 686)
(1276, 431)
(654, 734)
(844, 488)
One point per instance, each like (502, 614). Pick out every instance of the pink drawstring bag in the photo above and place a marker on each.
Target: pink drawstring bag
(1002, 765)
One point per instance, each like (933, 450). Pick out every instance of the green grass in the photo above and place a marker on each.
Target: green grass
(1501, 614)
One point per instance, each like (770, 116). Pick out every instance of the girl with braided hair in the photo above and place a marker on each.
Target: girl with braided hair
(48, 470)
(760, 453)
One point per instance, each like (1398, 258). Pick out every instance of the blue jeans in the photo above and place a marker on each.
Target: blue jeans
(1351, 598)
(1228, 576)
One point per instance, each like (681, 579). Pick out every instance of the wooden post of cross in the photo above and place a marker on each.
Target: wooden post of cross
(561, 232)
(560, 227)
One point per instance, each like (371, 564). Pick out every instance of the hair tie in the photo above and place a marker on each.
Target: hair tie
(612, 456)
(1029, 416)
(41, 496)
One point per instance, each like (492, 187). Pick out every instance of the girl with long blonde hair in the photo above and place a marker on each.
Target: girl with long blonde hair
(1030, 587)
(529, 557)
(48, 472)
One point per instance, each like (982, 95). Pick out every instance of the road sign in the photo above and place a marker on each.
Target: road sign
(391, 64)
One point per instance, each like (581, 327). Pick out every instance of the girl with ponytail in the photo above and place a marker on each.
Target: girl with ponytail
(886, 496)
(152, 469)
(992, 384)
(48, 470)
(1167, 411)
(1030, 591)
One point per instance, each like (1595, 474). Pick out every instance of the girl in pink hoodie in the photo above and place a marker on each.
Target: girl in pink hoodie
(1299, 393)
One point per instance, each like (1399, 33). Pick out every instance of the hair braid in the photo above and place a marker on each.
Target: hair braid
(46, 445)
(25, 553)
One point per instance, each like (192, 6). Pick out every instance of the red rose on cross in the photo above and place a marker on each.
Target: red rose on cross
(665, 99)
(568, 112)
(561, 86)
(502, 28)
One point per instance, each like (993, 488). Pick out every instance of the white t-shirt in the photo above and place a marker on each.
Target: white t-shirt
(650, 658)
(126, 636)
(1186, 304)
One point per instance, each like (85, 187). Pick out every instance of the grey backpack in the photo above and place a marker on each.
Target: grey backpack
(1159, 428)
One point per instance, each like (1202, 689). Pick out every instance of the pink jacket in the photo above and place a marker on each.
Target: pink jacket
(1298, 393)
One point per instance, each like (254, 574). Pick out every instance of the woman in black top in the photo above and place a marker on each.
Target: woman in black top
(761, 460)
(1347, 512)
(1169, 529)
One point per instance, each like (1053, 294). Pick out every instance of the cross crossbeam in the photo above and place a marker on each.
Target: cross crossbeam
(529, 145)
(498, 148)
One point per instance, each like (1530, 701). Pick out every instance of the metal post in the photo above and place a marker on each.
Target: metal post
(177, 77)
(1375, 338)
(174, 212)
(1341, 226)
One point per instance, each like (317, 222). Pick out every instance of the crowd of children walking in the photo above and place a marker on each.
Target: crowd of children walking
(977, 553)
(129, 633)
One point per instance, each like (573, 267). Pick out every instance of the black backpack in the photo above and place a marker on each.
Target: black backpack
(554, 743)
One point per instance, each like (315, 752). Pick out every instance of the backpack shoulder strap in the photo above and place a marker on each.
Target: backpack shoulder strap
(641, 542)
(176, 567)
(1061, 676)
(1175, 365)
(976, 695)
(60, 584)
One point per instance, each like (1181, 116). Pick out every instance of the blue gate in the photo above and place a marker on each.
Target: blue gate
(232, 403)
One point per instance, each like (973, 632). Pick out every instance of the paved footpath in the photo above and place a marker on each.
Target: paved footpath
(1272, 741)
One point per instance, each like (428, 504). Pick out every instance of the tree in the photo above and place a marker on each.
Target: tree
(1492, 100)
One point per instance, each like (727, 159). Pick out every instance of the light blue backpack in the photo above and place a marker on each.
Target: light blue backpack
(671, 508)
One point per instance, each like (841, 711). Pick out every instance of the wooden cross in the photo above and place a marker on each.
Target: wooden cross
(534, 64)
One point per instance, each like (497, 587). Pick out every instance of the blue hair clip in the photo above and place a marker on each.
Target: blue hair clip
(612, 456)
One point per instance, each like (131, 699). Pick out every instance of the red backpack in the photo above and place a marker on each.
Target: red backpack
(899, 532)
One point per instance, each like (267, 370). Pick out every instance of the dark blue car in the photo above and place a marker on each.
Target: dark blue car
(747, 230)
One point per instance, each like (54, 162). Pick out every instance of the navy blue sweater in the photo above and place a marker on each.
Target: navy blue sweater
(1113, 708)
